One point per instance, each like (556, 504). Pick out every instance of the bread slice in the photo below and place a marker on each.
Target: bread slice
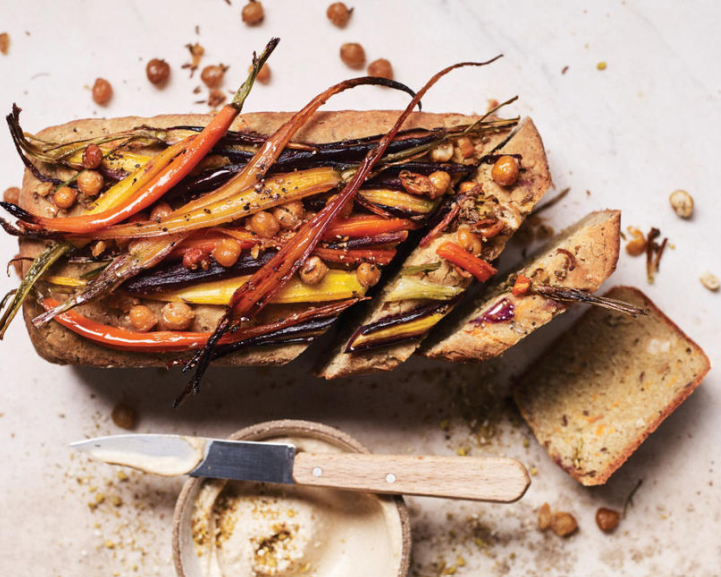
(513, 204)
(606, 384)
(581, 257)
(59, 345)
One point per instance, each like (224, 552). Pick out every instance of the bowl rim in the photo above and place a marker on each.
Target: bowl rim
(289, 427)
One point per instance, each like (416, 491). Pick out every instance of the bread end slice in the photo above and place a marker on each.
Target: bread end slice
(607, 384)
(581, 257)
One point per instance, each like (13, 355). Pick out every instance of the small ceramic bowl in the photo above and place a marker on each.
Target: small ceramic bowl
(208, 543)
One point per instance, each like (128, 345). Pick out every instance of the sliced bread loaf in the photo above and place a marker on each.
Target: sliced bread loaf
(581, 257)
(607, 384)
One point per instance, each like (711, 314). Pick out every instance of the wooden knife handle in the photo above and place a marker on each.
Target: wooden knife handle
(477, 478)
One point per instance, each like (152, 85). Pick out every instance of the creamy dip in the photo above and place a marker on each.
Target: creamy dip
(188, 452)
(255, 530)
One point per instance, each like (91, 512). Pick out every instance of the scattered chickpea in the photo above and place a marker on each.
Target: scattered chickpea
(90, 182)
(160, 211)
(142, 318)
(92, 156)
(253, 13)
(419, 184)
(563, 524)
(212, 75)
(465, 147)
(544, 517)
(353, 55)
(216, 97)
(601, 66)
(177, 316)
(682, 203)
(637, 245)
(467, 186)
(102, 91)
(469, 241)
(227, 252)
(442, 152)
(381, 68)
(607, 519)
(158, 71)
(12, 195)
(710, 281)
(289, 215)
(505, 171)
(368, 274)
(263, 74)
(339, 14)
(98, 248)
(123, 416)
(4, 43)
(264, 224)
(65, 196)
(313, 271)
(440, 180)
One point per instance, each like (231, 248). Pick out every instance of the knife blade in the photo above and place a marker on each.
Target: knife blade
(171, 455)
(495, 479)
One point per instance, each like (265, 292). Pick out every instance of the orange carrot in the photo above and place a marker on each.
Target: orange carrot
(454, 254)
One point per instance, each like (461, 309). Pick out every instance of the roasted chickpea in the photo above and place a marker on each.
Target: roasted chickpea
(123, 416)
(142, 318)
(289, 215)
(313, 271)
(12, 195)
(253, 13)
(212, 75)
(440, 180)
(467, 186)
(160, 211)
(263, 74)
(442, 152)
(102, 91)
(347, 209)
(196, 257)
(563, 524)
(353, 55)
(92, 156)
(177, 316)
(505, 171)
(339, 14)
(468, 240)
(465, 147)
(264, 224)
(637, 245)
(418, 184)
(381, 68)
(227, 252)
(682, 203)
(607, 519)
(368, 274)
(65, 196)
(157, 71)
(90, 182)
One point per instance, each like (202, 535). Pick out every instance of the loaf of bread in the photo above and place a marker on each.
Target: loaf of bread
(59, 345)
(581, 257)
(605, 385)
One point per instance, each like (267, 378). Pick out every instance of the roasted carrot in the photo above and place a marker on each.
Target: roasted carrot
(356, 226)
(454, 254)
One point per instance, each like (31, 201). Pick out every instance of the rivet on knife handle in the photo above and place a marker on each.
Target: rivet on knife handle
(494, 479)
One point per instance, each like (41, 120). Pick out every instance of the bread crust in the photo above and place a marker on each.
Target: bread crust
(59, 345)
(518, 201)
(593, 243)
(527, 389)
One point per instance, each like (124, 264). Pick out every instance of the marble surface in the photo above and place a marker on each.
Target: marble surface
(624, 137)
